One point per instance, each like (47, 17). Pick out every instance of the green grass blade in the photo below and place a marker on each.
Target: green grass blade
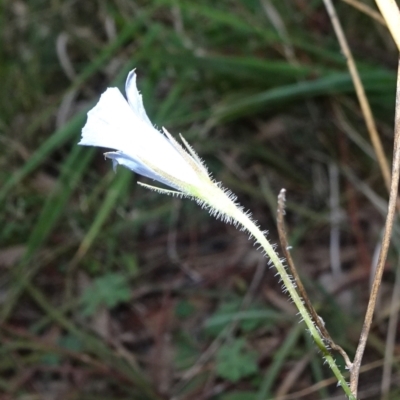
(380, 81)
(118, 188)
(70, 176)
(279, 358)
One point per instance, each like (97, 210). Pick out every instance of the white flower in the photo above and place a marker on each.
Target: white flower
(123, 125)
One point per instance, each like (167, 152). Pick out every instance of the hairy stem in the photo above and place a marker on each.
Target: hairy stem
(244, 220)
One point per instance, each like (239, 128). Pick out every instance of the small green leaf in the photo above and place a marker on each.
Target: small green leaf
(249, 320)
(109, 290)
(70, 342)
(131, 264)
(186, 353)
(184, 309)
(50, 359)
(235, 362)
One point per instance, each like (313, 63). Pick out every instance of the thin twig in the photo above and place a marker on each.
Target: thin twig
(277, 21)
(335, 214)
(285, 249)
(362, 98)
(385, 245)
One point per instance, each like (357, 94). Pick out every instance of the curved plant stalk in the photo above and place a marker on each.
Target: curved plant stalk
(285, 248)
(250, 226)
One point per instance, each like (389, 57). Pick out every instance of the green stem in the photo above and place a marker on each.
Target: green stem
(253, 229)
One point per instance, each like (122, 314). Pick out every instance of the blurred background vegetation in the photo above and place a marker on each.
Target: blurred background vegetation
(109, 291)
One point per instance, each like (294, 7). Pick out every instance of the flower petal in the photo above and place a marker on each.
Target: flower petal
(119, 157)
(109, 123)
(116, 124)
(112, 123)
(135, 98)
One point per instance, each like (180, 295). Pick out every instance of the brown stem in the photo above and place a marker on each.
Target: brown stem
(285, 249)
(355, 371)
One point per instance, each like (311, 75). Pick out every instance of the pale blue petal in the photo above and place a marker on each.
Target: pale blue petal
(119, 157)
